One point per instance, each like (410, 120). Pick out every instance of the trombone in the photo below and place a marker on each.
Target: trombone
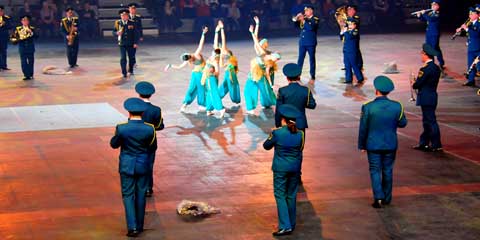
(474, 64)
(460, 32)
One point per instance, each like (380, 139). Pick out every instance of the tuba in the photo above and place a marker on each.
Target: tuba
(341, 16)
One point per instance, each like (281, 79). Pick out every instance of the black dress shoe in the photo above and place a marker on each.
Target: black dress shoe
(469, 84)
(424, 148)
(385, 202)
(149, 193)
(76, 65)
(132, 233)
(377, 203)
(6, 69)
(436, 149)
(282, 232)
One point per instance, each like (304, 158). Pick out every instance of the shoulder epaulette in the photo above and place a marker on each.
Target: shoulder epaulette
(356, 16)
(7, 17)
(19, 27)
(316, 18)
(369, 101)
(137, 15)
(75, 18)
(122, 123)
(130, 20)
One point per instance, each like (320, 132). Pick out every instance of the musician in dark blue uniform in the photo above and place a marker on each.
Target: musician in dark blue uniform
(24, 36)
(473, 34)
(288, 142)
(5, 27)
(135, 140)
(294, 94)
(433, 29)
(128, 37)
(132, 8)
(308, 24)
(351, 43)
(352, 12)
(69, 27)
(152, 115)
(427, 98)
(377, 136)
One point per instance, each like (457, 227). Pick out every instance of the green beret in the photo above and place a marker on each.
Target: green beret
(135, 105)
(383, 84)
(292, 70)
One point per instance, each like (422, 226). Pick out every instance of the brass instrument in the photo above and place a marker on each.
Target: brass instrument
(72, 33)
(460, 32)
(2, 21)
(417, 12)
(412, 91)
(22, 34)
(120, 30)
(341, 16)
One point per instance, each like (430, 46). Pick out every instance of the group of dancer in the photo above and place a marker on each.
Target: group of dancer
(204, 82)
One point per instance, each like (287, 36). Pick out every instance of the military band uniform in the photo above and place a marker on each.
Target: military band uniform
(137, 19)
(308, 42)
(152, 115)
(135, 140)
(473, 34)
(433, 32)
(26, 48)
(427, 99)
(359, 54)
(379, 121)
(286, 167)
(72, 50)
(5, 28)
(294, 94)
(129, 38)
(351, 45)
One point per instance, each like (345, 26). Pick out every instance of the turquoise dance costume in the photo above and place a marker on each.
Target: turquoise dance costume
(196, 89)
(230, 84)
(256, 82)
(214, 101)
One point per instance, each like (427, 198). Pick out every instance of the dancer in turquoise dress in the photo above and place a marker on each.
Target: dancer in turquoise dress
(229, 62)
(210, 82)
(259, 77)
(195, 88)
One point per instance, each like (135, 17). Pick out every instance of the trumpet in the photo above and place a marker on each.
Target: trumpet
(412, 91)
(460, 32)
(417, 12)
(295, 18)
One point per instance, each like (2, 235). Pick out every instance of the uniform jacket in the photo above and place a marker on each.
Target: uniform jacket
(378, 124)
(474, 37)
(130, 34)
(65, 26)
(299, 96)
(135, 140)
(309, 29)
(6, 27)
(288, 154)
(25, 45)
(138, 23)
(351, 41)
(433, 22)
(427, 82)
(153, 115)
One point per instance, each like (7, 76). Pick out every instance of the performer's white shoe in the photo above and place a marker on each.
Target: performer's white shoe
(251, 112)
(210, 113)
(183, 108)
(222, 113)
(202, 109)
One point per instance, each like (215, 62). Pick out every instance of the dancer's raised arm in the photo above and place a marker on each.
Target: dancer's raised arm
(201, 44)
(258, 48)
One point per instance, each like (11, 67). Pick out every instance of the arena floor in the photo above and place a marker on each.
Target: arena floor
(59, 179)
